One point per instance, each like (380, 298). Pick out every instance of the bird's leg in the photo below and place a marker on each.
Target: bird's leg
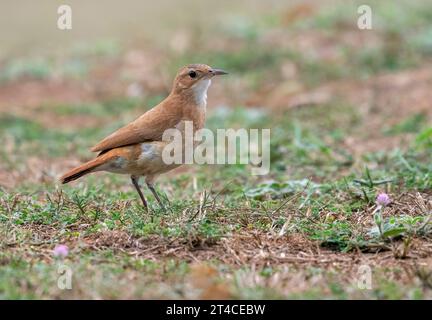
(137, 187)
(152, 189)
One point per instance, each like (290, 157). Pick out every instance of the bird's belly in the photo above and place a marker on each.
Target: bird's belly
(150, 159)
(140, 159)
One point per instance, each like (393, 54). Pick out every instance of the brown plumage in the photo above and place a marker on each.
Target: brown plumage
(136, 148)
(85, 168)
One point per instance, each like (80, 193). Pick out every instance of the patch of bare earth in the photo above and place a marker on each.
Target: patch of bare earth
(382, 101)
(33, 169)
(135, 73)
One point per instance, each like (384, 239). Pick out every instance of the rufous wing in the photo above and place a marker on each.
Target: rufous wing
(149, 127)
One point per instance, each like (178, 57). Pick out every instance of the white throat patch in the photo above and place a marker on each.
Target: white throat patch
(200, 92)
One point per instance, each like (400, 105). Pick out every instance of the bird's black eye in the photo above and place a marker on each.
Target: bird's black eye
(192, 74)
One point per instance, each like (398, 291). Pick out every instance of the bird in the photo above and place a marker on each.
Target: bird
(136, 148)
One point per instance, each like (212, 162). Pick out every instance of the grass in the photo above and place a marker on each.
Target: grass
(325, 212)
(299, 232)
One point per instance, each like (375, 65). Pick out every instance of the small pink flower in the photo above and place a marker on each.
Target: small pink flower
(382, 200)
(60, 251)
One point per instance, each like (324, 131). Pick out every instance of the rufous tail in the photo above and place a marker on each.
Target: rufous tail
(83, 169)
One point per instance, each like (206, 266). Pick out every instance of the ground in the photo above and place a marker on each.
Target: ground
(350, 114)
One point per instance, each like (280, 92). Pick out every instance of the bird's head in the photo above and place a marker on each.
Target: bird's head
(195, 79)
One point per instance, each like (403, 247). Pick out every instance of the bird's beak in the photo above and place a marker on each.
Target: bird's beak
(217, 72)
